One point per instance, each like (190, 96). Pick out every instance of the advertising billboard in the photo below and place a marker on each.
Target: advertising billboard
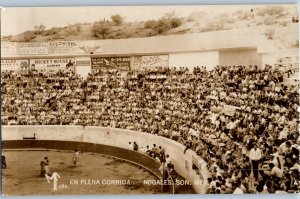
(15, 65)
(52, 64)
(121, 63)
(152, 61)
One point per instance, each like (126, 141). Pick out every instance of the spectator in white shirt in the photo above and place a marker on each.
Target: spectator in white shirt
(275, 171)
(238, 189)
(144, 149)
(255, 156)
(168, 159)
(130, 146)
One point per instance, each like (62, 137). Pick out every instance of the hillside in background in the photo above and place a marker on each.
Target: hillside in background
(277, 23)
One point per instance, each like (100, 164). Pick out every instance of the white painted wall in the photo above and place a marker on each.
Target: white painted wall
(191, 60)
(269, 59)
(237, 57)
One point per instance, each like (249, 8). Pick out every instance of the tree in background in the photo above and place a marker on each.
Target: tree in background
(74, 29)
(100, 29)
(167, 22)
(150, 24)
(172, 20)
(118, 19)
(273, 11)
(51, 31)
(163, 25)
(7, 38)
(39, 29)
(28, 36)
(175, 22)
(242, 15)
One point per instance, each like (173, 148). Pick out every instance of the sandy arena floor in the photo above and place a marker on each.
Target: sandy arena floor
(22, 176)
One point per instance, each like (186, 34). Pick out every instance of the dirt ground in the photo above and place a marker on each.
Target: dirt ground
(95, 174)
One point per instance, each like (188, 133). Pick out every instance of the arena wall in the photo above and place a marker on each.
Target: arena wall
(191, 60)
(284, 57)
(184, 163)
(128, 155)
(244, 57)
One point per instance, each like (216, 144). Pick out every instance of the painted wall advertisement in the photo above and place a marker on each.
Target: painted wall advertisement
(121, 63)
(52, 64)
(9, 48)
(16, 65)
(62, 47)
(33, 48)
(83, 66)
(150, 61)
(89, 47)
(83, 61)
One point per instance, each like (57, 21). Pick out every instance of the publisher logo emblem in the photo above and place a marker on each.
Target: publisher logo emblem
(54, 177)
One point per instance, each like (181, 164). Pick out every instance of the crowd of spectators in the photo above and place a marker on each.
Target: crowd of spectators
(220, 114)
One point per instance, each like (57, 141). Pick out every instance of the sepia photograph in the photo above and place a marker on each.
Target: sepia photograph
(165, 99)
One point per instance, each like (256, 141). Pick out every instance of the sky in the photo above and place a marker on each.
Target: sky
(17, 20)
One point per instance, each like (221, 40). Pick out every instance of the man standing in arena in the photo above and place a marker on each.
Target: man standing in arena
(75, 158)
(135, 146)
(130, 146)
(168, 159)
(162, 153)
(155, 151)
(255, 157)
(43, 171)
(45, 166)
(3, 160)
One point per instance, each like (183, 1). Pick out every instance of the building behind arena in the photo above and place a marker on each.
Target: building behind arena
(230, 47)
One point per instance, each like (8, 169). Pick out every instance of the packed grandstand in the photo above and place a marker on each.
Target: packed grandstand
(221, 114)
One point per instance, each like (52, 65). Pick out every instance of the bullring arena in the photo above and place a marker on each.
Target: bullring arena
(91, 141)
(201, 108)
(111, 173)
